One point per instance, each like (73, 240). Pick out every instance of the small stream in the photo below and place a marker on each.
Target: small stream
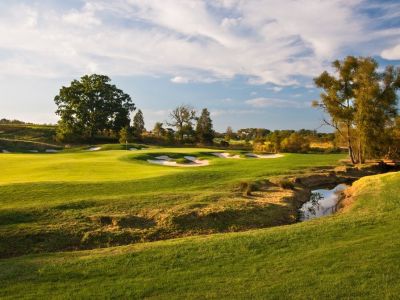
(323, 202)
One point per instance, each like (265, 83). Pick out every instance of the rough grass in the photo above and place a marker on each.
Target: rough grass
(52, 202)
(38, 133)
(351, 255)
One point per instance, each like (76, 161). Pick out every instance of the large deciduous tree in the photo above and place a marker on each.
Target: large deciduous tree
(90, 106)
(361, 103)
(204, 128)
(182, 119)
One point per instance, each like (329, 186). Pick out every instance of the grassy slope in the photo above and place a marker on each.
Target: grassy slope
(24, 137)
(47, 200)
(34, 133)
(354, 254)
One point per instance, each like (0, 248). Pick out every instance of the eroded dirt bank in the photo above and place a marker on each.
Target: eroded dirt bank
(264, 203)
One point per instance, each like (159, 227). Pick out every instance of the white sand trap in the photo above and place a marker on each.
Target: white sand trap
(94, 149)
(5, 151)
(51, 151)
(197, 161)
(263, 155)
(33, 151)
(133, 149)
(167, 161)
(225, 155)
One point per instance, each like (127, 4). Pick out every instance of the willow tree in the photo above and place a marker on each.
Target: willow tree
(361, 103)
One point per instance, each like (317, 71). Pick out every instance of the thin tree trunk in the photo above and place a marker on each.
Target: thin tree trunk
(351, 153)
(360, 152)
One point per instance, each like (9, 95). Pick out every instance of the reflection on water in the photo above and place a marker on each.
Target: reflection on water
(322, 202)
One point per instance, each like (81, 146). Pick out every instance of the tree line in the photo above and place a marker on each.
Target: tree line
(93, 108)
(360, 100)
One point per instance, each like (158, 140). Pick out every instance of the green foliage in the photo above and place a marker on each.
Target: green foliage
(251, 134)
(138, 125)
(295, 143)
(91, 106)
(204, 128)
(224, 144)
(125, 135)
(362, 103)
(229, 134)
(11, 122)
(393, 140)
(159, 130)
(182, 119)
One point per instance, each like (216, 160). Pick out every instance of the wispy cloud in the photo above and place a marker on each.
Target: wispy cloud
(272, 102)
(224, 112)
(276, 89)
(267, 41)
(179, 79)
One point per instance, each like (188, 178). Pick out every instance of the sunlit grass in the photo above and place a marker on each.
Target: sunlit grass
(350, 255)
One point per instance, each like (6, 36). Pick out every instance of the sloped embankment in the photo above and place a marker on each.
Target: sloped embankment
(354, 255)
(249, 205)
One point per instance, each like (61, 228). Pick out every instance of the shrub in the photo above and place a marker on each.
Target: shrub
(286, 184)
(295, 143)
(224, 144)
(247, 188)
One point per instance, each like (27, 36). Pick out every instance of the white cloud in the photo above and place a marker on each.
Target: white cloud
(391, 53)
(272, 102)
(230, 22)
(179, 79)
(276, 89)
(268, 41)
(85, 17)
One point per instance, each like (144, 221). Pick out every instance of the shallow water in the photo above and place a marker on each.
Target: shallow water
(323, 202)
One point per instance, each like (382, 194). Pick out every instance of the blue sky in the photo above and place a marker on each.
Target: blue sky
(251, 62)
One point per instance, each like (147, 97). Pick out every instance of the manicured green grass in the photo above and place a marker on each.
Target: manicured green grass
(351, 255)
(52, 202)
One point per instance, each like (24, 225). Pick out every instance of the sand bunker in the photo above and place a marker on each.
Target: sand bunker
(133, 149)
(165, 160)
(253, 155)
(5, 151)
(33, 151)
(225, 155)
(94, 149)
